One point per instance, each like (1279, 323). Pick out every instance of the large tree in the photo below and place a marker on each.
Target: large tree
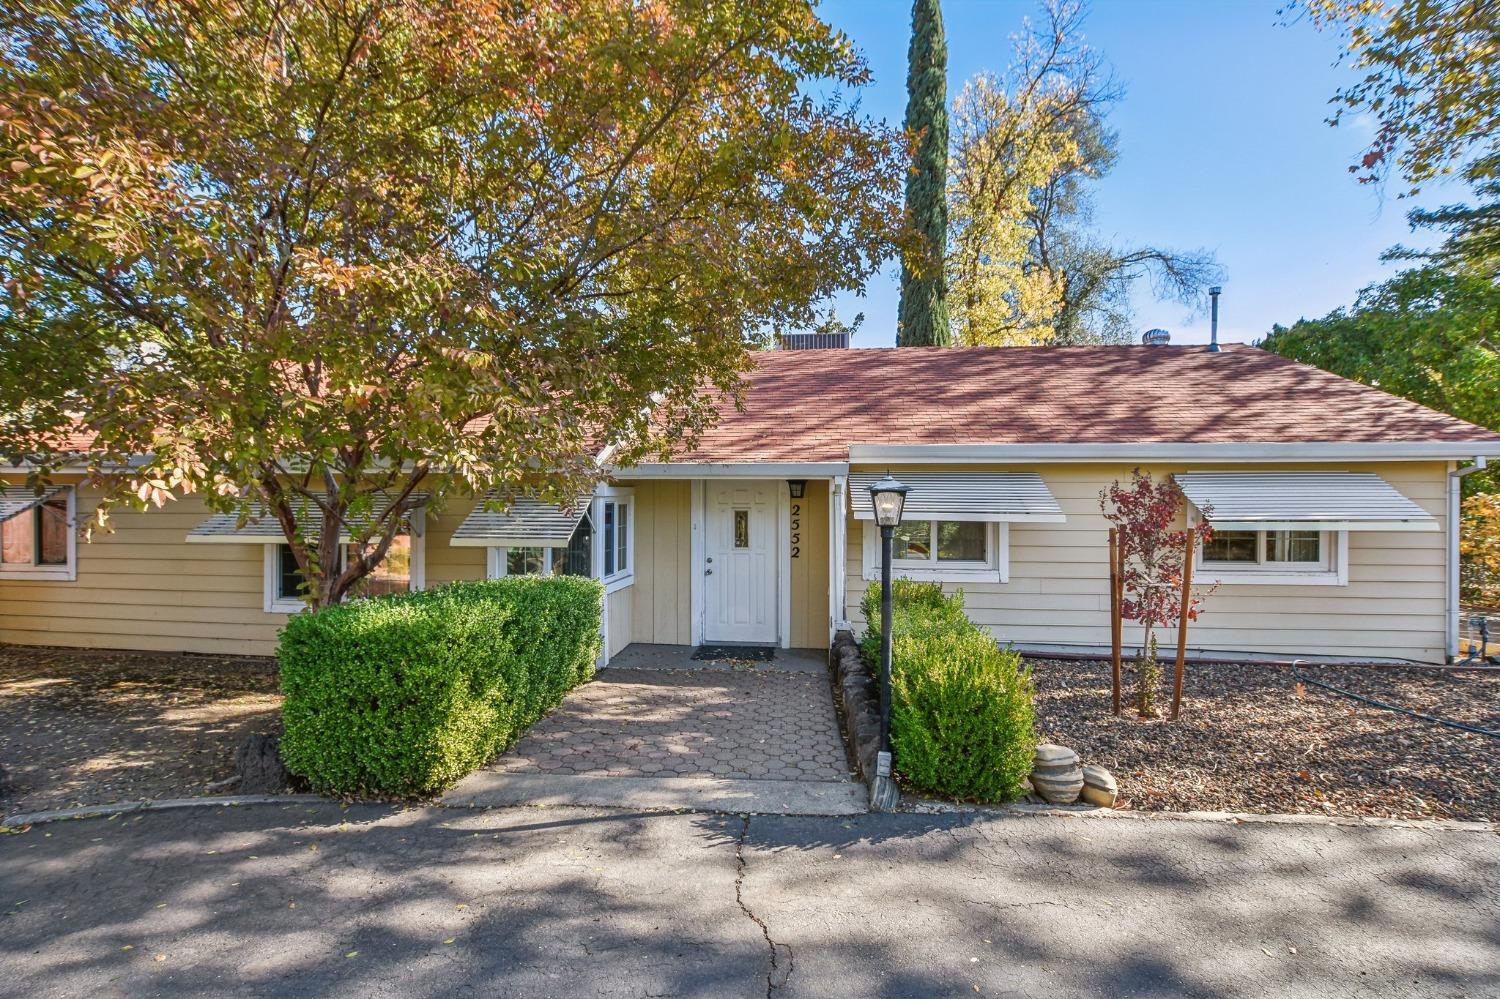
(1428, 334)
(318, 257)
(923, 316)
(1025, 263)
(1430, 79)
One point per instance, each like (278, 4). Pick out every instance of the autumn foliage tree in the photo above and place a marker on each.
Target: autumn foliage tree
(300, 256)
(1146, 514)
(1025, 263)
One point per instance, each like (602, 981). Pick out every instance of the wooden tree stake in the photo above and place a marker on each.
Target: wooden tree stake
(1116, 561)
(1182, 622)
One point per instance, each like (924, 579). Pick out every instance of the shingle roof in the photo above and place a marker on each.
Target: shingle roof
(811, 405)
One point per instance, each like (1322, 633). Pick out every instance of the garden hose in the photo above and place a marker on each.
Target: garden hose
(1461, 726)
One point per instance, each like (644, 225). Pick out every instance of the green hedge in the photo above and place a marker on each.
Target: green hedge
(404, 695)
(962, 712)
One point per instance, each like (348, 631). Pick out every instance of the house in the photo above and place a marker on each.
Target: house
(1334, 505)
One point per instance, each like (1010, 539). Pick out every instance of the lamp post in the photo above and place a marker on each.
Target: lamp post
(888, 497)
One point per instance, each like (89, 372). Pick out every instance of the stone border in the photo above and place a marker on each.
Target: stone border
(860, 700)
(161, 805)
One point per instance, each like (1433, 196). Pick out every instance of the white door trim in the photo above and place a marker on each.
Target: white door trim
(783, 563)
(696, 609)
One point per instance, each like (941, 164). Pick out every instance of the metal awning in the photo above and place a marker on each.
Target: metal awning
(14, 506)
(263, 528)
(992, 497)
(525, 523)
(1290, 501)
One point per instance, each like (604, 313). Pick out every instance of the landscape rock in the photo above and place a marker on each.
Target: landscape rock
(258, 764)
(1050, 754)
(1055, 774)
(1099, 787)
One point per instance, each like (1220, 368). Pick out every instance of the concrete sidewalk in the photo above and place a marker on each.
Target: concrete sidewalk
(310, 899)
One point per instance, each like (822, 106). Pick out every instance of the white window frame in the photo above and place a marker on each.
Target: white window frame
(995, 568)
(497, 560)
(617, 495)
(1331, 570)
(274, 603)
(52, 573)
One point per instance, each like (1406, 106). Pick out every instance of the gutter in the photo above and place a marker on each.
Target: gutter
(1455, 475)
(1258, 451)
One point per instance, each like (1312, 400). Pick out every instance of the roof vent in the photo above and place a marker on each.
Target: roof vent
(813, 341)
(1156, 338)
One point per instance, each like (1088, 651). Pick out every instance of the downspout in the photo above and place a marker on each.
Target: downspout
(1455, 488)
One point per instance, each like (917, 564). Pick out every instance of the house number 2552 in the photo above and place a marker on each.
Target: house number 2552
(796, 530)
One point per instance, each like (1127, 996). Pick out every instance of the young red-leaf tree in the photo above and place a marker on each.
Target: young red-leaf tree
(322, 257)
(1146, 514)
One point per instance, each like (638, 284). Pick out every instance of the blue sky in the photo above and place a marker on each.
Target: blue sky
(1222, 145)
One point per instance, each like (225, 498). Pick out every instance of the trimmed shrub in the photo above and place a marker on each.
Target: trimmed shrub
(962, 712)
(406, 694)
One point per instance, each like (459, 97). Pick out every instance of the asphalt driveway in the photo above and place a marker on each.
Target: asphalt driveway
(313, 899)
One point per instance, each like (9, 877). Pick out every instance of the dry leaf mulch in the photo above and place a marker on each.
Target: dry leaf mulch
(1249, 740)
(84, 728)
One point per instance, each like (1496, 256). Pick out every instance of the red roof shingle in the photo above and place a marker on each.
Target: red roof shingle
(811, 405)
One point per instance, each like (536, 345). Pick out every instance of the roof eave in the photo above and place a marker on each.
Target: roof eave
(1239, 451)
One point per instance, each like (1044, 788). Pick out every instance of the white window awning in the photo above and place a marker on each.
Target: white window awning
(991, 497)
(14, 506)
(1291, 501)
(525, 523)
(263, 528)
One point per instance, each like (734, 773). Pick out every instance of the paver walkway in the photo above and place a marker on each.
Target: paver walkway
(703, 723)
(660, 730)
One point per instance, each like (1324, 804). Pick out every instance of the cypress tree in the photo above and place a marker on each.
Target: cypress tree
(924, 285)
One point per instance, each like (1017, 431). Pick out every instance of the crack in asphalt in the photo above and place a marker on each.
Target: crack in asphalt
(776, 976)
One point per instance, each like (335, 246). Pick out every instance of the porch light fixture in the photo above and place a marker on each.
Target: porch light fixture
(888, 497)
(797, 487)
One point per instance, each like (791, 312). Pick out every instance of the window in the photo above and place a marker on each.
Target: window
(928, 542)
(400, 571)
(615, 514)
(742, 528)
(577, 559)
(1299, 556)
(957, 550)
(38, 542)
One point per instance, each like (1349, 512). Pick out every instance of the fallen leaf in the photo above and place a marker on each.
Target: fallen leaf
(450, 940)
(355, 953)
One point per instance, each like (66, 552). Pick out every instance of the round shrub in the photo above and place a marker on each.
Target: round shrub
(961, 714)
(404, 695)
(962, 711)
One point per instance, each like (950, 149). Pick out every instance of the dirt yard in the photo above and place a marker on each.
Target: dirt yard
(1252, 740)
(82, 727)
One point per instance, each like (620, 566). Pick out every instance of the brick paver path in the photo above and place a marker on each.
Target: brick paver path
(689, 723)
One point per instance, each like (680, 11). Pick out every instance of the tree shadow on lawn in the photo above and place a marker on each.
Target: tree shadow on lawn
(79, 727)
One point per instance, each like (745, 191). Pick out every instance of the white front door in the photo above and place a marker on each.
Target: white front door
(739, 570)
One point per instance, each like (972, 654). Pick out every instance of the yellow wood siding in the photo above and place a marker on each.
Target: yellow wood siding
(143, 586)
(1393, 605)
(809, 626)
(659, 605)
